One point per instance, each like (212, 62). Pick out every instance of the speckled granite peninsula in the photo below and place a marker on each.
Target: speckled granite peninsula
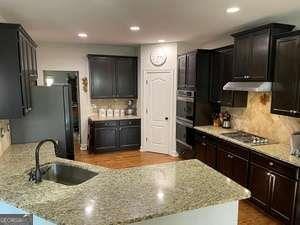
(113, 196)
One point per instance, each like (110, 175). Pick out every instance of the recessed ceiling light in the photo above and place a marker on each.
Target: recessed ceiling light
(134, 28)
(82, 35)
(161, 41)
(232, 9)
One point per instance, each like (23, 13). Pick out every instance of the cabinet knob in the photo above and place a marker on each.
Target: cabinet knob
(271, 164)
(268, 174)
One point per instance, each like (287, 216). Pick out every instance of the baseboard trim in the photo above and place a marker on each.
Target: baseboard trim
(83, 147)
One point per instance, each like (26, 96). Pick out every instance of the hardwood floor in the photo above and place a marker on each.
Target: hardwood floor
(248, 213)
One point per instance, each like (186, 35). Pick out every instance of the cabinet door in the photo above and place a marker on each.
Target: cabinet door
(211, 155)
(259, 60)
(106, 138)
(283, 194)
(191, 70)
(130, 137)
(240, 171)
(126, 75)
(224, 162)
(216, 77)
(259, 184)
(102, 77)
(286, 78)
(200, 150)
(242, 50)
(181, 72)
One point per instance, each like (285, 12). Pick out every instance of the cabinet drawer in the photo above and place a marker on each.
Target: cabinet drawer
(112, 123)
(136, 122)
(235, 149)
(275, 165)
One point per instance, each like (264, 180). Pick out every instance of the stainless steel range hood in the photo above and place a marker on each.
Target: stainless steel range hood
(248, 86)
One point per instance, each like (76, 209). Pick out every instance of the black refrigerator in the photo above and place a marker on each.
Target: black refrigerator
(51, 117)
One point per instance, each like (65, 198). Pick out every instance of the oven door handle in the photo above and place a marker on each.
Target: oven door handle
(184, 124)
(185, 144)
(185, 99)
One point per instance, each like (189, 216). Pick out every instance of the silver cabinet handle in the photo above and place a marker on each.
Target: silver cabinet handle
(271, 164)
(268, 174)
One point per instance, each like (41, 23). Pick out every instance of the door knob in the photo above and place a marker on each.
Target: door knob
(166, 118)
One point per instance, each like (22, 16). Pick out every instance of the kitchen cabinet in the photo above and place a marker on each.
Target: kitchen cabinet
(113, 135)
(274, 191)
(205, 150)
(130, 134)
(193, 66)
(221, 73)
(18, 71)
(274, 184)
(285, 89)
(181, 71)
(113, 76)
(126, 75)
(253, 52)
(232, 166)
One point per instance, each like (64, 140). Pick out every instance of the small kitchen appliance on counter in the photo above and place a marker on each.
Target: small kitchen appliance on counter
(225, 118)
(295, 144)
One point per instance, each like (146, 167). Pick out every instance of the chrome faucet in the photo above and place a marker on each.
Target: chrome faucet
(36, 174)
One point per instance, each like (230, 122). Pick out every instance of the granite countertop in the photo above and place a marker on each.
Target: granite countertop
(277, 151)
(113, 196)
(98, 118)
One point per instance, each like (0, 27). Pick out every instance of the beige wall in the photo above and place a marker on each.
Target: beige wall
(257, 118)
(72, 57)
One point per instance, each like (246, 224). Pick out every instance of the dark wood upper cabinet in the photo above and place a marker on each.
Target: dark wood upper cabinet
(181, 71)
(285, 89)
(18, 71)
(193, 68)
(113, 76)
(126, 75)
(253, 52)
(221, 73)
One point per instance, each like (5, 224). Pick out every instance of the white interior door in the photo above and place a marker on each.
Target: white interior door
(158, 104)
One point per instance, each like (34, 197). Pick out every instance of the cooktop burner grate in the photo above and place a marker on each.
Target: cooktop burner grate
(248, 138)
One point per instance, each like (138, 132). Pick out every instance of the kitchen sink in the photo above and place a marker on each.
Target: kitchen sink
(66, 174)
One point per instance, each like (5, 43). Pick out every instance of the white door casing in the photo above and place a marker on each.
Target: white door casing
(158, 110)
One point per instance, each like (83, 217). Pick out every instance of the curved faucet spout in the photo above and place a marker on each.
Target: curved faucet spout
(36, 176)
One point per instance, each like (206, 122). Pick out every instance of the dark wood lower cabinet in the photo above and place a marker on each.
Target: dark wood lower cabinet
(206, 151)
(274, 184)
(130, 137)
(233, 166)
(259, 182)
(106, 138)
(282, 197)
(114, 135)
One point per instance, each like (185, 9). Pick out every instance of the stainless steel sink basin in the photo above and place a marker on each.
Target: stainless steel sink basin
(66, 174)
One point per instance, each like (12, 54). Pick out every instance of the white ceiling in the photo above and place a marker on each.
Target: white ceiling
(108, 21)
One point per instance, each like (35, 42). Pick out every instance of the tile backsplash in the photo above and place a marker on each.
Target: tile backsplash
(256, 118)
(5, 140)
(111, 103)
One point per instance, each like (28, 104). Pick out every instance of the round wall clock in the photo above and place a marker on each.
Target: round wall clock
(158, 57)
